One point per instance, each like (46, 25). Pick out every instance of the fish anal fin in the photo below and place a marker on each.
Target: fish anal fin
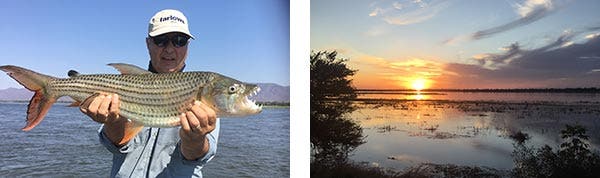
(38, 108)
(129, 69)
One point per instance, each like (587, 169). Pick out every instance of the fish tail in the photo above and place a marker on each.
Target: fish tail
(41, 101)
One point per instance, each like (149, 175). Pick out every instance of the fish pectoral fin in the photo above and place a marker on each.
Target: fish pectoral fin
(129, 69)
(132, 130)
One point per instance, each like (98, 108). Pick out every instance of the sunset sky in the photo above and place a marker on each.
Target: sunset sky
(462, 43)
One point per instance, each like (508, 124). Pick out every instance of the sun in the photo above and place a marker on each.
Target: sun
(418, 84)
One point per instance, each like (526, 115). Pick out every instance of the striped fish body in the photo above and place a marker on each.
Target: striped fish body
(148, 99)
(154, 100)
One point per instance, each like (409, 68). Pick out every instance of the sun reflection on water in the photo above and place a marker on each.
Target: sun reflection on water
(418, 96)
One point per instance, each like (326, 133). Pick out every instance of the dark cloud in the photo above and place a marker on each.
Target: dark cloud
(529, 11)
(496, 60)
(593, 28)
(552, 65)
(535, 15)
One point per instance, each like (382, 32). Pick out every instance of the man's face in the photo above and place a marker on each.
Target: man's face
(168, 51)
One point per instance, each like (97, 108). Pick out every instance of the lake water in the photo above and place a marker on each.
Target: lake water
(66, 144)
(482, 96)
(470, 129)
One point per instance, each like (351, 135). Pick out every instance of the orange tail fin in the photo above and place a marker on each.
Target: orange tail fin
(41, 101)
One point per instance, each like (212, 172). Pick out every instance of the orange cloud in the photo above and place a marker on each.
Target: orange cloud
(377, 72)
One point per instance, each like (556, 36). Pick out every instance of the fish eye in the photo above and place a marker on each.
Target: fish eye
(232, 89)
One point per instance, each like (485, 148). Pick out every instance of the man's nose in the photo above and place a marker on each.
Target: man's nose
(169, 47)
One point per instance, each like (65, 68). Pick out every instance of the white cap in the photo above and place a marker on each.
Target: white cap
(166, 21)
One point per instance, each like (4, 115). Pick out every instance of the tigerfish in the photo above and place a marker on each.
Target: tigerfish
(147, 99)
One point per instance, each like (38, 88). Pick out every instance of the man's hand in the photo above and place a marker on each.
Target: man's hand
(104, 109)
(195, 124)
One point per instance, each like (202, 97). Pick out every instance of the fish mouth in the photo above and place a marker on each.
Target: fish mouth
(251, 105)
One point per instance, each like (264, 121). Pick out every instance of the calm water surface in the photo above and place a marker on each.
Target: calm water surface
(484, 96)
(473, 130)
(66, 144)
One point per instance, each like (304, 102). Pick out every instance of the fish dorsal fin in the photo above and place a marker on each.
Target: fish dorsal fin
(129, 69)
(72, 73)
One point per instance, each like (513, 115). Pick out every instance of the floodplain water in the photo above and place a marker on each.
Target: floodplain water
(65, 144)
(469, 129)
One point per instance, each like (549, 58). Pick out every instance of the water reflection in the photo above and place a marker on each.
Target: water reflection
(480, 96)
(463, 133)
(333, 136)
(418, 96)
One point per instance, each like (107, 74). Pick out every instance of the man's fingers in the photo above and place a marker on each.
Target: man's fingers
(200, 114)
(86, 103)
(104, 104)
(193, 122)
(115, 104)
(184, 123)
(210, 113)
(93, 108)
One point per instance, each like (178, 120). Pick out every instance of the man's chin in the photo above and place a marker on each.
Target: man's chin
(168, 66)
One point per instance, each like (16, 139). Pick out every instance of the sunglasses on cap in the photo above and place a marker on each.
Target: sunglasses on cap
(178, 40)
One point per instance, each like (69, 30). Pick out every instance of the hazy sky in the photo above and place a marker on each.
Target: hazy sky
(247, 40)
(463, 43)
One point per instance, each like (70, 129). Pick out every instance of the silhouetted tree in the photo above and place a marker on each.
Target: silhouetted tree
(332, 135)
(329, 82)
(573, 159)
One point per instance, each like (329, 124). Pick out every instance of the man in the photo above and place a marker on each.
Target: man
(158, 152)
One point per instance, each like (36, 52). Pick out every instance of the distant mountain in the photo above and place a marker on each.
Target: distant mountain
(269, 92)
(15, 94)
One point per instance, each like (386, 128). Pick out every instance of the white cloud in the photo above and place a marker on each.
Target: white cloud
(593, 35)
(416, 15)
(376, 12)
(412, 18)
(405, 13)
(568, 43)
(397, 5)
(530, 6)
(420, 3)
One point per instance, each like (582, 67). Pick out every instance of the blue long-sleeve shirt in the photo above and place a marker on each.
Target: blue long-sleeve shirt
(156, 152)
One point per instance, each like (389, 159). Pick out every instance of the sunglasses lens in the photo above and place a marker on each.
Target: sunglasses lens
(161, 40)
(179, 41)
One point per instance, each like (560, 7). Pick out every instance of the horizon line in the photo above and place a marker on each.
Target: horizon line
(478, 89)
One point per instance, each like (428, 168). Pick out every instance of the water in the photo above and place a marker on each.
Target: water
(483, 96)
(472, 130)
(66, 144)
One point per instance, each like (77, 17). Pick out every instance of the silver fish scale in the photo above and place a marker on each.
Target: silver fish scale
(155, 100)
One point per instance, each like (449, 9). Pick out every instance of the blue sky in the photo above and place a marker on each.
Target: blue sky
(463, 43)
(247, 40)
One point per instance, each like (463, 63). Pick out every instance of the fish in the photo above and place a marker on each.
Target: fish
(147, 99)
